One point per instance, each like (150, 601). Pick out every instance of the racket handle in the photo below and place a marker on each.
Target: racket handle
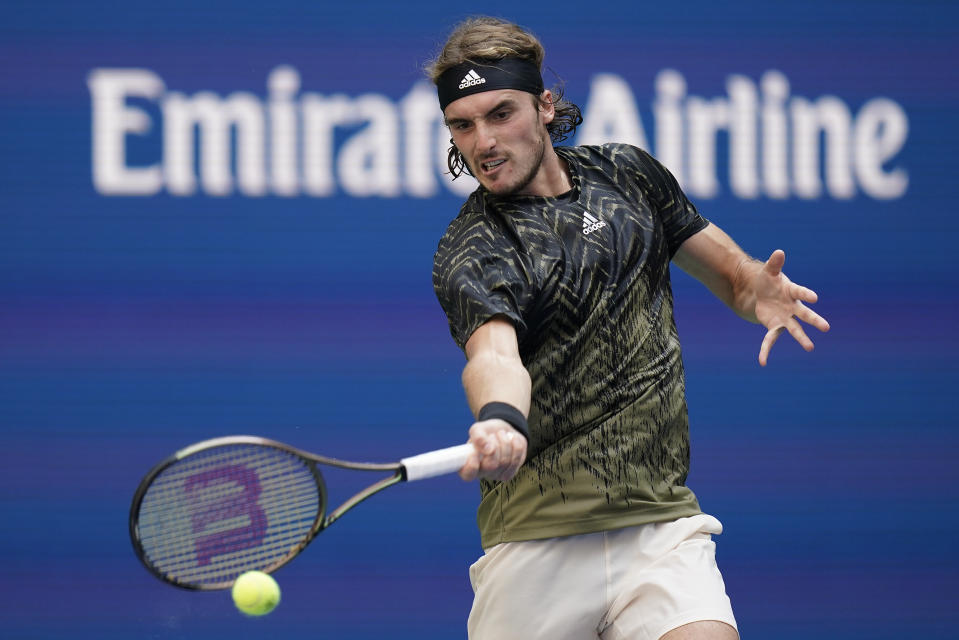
(437, 463)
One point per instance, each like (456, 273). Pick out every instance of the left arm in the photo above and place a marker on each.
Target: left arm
(758, 292)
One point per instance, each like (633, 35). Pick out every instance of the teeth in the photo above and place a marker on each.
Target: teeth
(490, 165)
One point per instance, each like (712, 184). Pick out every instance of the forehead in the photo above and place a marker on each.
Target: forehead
(478, 105)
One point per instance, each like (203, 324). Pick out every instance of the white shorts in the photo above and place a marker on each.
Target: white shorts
(636, 583)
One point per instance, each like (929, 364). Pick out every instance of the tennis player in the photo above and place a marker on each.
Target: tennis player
(555, 280)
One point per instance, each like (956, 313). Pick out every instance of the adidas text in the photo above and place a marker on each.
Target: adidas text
(472, 79)
(591, 224)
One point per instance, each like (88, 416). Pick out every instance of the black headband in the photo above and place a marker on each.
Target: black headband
(472, 77)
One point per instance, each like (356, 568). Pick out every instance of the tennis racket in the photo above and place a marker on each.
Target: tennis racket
(222, 507)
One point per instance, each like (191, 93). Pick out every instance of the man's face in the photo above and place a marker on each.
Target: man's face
(502, 136)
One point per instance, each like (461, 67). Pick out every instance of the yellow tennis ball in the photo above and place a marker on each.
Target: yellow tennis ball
(256, 593)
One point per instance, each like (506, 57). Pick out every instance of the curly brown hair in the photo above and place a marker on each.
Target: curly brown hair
(483, 38)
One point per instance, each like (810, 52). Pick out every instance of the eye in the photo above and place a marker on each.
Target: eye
(503, 114)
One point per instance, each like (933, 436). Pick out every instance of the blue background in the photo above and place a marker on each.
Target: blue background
(132, 326)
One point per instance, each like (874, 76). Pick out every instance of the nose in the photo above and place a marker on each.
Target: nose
(485, 139)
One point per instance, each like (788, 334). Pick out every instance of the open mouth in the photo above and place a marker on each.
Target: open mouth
(492, 164)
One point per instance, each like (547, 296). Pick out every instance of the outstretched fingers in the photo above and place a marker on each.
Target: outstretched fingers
(799, 292)
(812, 318)
(780, 307)
(774, 265)
(795, 329)
(768, 341)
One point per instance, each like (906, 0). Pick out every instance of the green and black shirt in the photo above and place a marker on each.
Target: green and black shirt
(585, 279)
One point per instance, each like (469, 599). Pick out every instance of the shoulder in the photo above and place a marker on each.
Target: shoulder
(610, 152)
(469, 226)
(479, 237)
(618, 161)
(638, 166)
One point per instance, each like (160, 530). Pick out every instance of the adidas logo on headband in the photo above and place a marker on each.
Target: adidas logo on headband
(472, 79)
(505, 73)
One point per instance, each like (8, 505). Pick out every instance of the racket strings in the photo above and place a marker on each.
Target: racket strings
(218, 513)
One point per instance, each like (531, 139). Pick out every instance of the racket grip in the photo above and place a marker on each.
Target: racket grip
(436, 463)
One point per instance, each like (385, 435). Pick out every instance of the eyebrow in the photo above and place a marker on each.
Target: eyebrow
(505, 102)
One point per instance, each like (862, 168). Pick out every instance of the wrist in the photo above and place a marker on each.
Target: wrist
(506, 412)
(743, 288)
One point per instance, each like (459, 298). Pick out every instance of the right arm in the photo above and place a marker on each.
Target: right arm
(494, 372)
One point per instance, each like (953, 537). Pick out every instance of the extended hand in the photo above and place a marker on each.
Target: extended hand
(500, 450)
(779, 305)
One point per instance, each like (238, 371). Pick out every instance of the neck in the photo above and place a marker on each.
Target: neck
(553, 177)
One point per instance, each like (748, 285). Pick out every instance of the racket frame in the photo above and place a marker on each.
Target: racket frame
(321, 522)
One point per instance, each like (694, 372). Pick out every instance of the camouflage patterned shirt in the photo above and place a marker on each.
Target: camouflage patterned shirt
(584, 277)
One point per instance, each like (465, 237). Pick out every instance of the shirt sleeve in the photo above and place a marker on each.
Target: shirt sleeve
(479, 274)
(679, 216)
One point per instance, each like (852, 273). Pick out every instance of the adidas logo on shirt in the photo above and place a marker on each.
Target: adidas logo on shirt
(591, 224)
(472, 79)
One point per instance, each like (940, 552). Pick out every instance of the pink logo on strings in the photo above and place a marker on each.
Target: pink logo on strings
(235, 505)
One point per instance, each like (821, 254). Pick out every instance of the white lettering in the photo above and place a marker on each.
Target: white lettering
(612, 114)
(829, 116)
(369, 161)
(880, 133)
(471, 82)
(670, 91)
(287, 143)
(320, 117)
(215, 118)
(775, 140)
(420, 117)
(706, 118)
(743, 147)
(283, 83)
(113, 119)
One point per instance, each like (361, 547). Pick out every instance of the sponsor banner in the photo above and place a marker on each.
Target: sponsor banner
(283, 142)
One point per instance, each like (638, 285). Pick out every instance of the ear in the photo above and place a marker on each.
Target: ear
(547, 109)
